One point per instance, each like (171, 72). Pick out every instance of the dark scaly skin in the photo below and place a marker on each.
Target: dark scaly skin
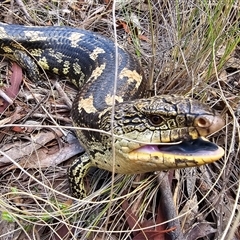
(140, 125)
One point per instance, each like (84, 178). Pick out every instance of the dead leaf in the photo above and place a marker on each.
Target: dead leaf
(151, 233)
(143, 38)
(124, 25)
(13, 89)
(18, 129)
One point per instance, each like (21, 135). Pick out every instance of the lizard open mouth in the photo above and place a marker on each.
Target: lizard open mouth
(188, 153)
(199, 147)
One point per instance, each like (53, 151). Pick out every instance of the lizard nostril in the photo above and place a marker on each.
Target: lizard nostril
(202, 122)
(207, 124)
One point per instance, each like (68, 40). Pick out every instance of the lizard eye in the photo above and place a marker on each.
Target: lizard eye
(155, 120)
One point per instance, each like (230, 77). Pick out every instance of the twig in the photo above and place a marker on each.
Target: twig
(168, 207)
(6, 97)
(63, 95)
(22, 6)
(55, 117)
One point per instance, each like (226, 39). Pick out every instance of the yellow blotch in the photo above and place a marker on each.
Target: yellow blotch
(97, 71)
(18, 46)
(7, 49)
(77, 68)
(66, 67)
(73, 81)
(35, 36)
(43, 63)
(55, 70)
(87, 105)
(133, 76)
(96, 51)
(57, 55)
(75, 37)
(109, 99)
(36, 52)
(3, 33)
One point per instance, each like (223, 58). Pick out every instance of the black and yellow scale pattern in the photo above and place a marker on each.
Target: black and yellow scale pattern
(151, 134)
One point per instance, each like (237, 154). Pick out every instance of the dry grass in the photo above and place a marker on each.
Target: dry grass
(189, 48)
